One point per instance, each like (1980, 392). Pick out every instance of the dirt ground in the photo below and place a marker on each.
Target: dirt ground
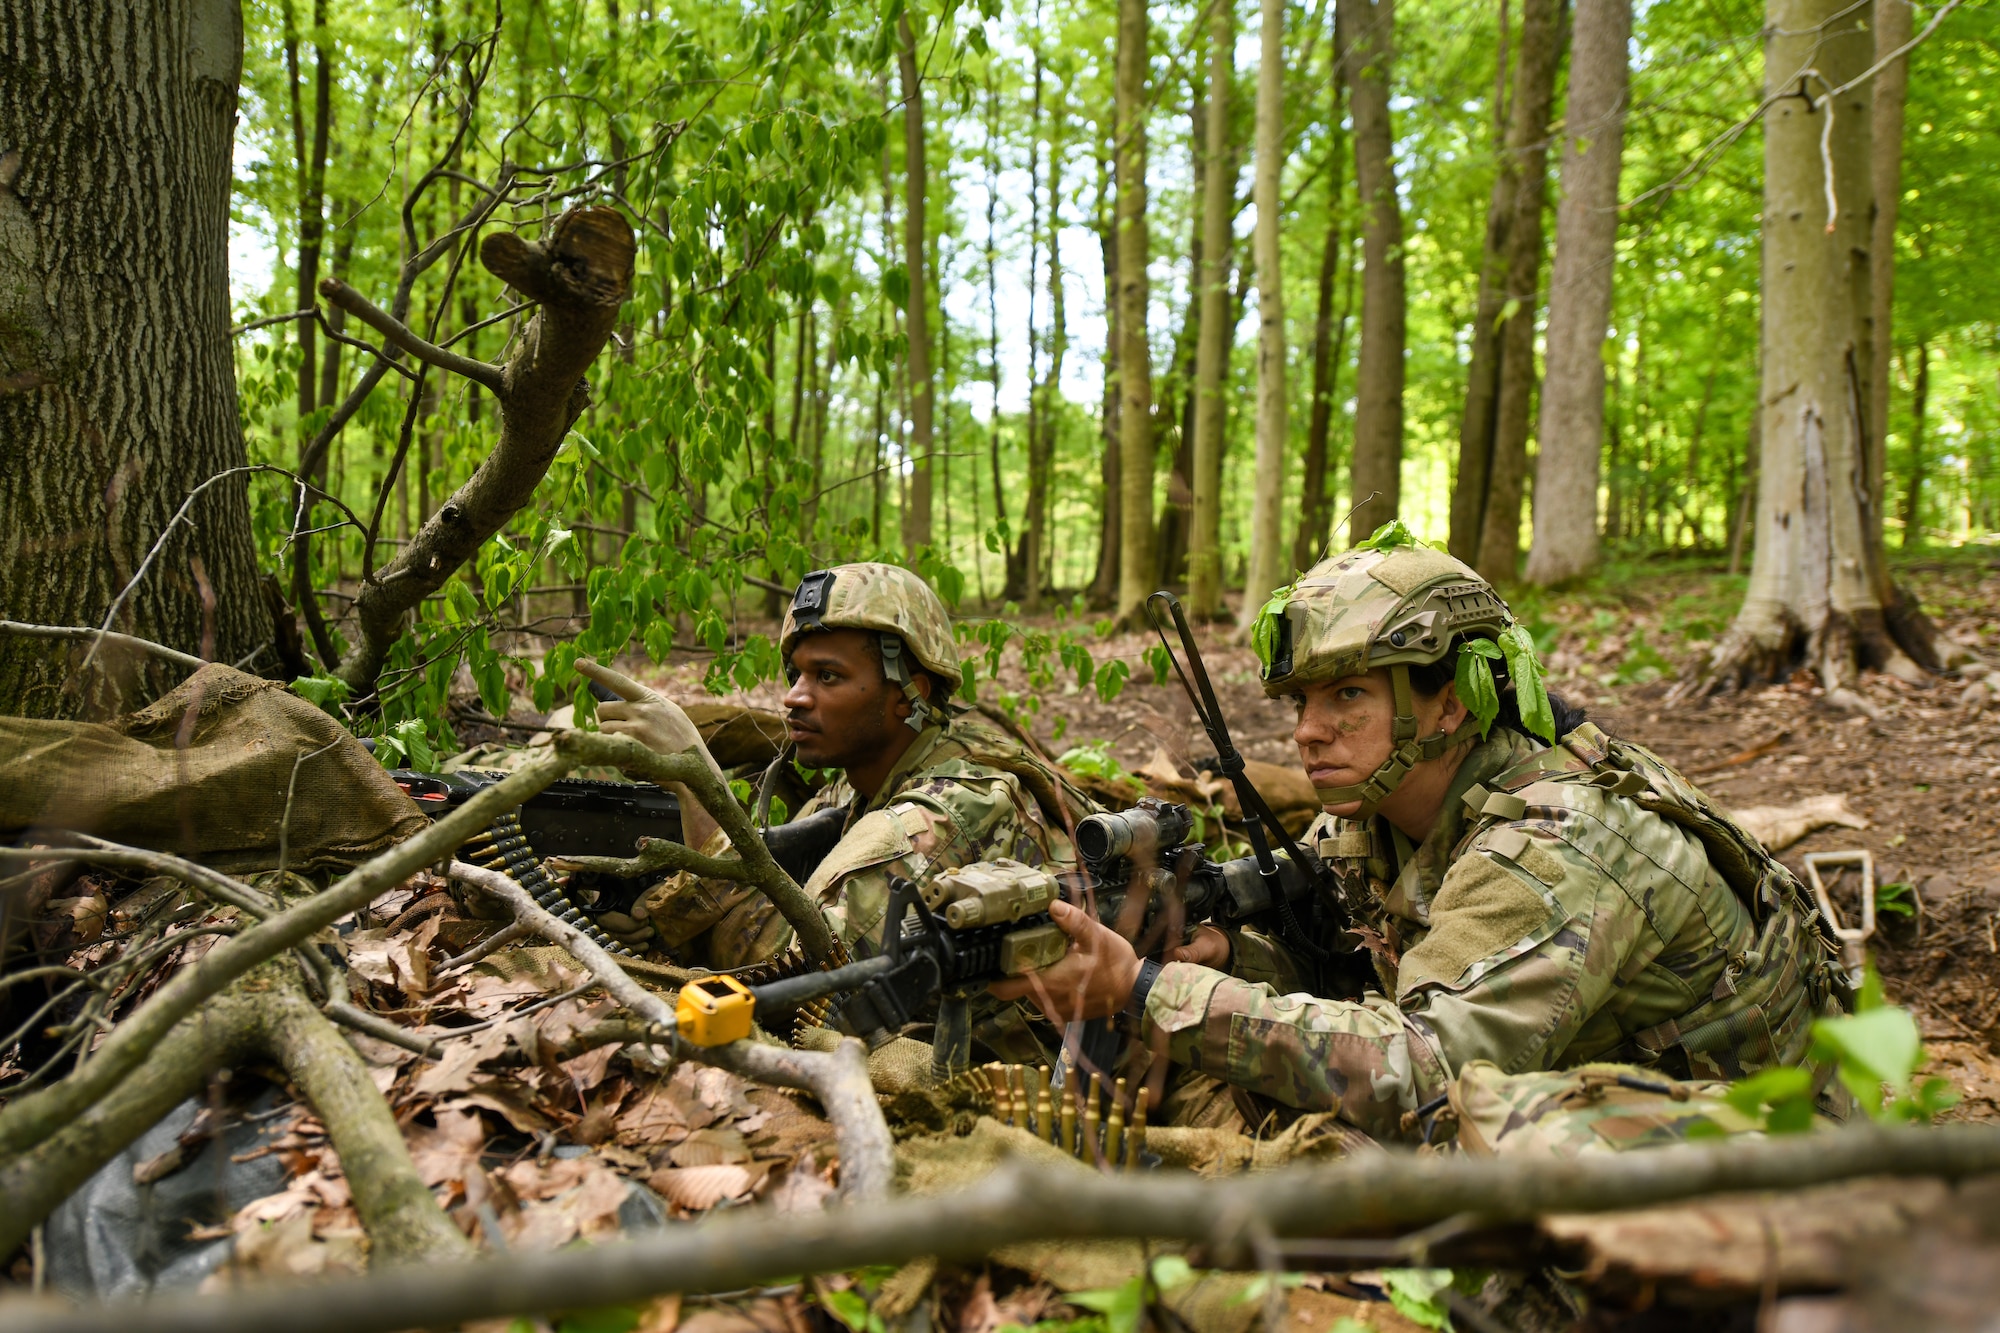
(1925, 776)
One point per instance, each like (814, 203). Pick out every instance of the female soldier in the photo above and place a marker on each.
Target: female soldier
(1538, 901)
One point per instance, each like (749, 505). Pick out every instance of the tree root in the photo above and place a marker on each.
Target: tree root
(264, 1014)
(1377, 1194)
(839, 1079)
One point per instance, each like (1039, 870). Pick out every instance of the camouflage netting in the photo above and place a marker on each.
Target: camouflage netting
(207, 773)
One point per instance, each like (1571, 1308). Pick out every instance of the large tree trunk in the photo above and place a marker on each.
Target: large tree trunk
(1571, 434)
(1813, 597)
(1493, 440)
(1218, 205)
(1329, 353)
(1052, 397)
(917, 521)
(1104, 583)
(1365, 30)
(117, 387)
(1135, 360)
(1267, 527)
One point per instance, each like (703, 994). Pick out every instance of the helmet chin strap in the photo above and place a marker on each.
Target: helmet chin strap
(897, 671)
(1410, 750)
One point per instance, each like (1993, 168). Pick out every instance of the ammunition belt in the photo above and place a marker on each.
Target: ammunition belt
(506, 849)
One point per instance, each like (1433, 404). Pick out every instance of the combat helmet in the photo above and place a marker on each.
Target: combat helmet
(904, 611)
(1381, 605)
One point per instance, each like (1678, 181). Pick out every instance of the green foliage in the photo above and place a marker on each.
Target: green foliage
(325, 692)
(1642, 664)
(1897, 899)
(1476, 688)
(1094, 760)
(1418, 1294)
(1123, 1305)
(1389, 536)
(1531, 694)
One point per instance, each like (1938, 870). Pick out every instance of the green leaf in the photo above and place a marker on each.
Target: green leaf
(1111, 678)
(1877, 1047)
(1264, 629)
(327, 693)
(1158, 658)
(1121, 1306)
(1476, 688)
(410, 738)
(1415, 1294)
(1531, 695)
(1389, 536)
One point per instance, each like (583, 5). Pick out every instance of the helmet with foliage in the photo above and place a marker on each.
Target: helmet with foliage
(896, 603)
(1394, 602)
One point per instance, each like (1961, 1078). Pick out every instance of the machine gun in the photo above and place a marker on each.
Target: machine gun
(959, 931)
(585, 817)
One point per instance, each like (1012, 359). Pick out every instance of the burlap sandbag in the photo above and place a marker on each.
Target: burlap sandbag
(203, 773)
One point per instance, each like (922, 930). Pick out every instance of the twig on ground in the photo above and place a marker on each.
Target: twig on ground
(839, 1079)
(1378, 1193)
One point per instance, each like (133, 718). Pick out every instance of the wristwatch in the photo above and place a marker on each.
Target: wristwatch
(1135, 1005)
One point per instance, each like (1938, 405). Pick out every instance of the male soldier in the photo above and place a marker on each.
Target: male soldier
(1535, 905)
(870, 654)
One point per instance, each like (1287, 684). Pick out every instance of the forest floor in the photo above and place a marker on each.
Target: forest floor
(1925, 776)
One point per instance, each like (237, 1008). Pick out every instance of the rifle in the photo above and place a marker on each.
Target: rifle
(586, 817)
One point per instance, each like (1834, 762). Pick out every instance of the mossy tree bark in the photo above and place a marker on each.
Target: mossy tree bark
(117, 387)
(1135, 357)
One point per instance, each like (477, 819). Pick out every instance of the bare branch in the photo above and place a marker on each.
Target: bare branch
(1374, 1194)
(175, 655)
(354, 303)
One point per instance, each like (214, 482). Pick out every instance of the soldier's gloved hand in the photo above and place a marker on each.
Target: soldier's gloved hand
(1093, 980)
(646, 715)
(659, 724)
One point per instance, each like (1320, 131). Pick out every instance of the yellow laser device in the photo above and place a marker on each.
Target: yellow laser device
(714, 1011)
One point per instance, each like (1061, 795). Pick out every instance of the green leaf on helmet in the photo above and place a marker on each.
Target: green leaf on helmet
(1390, 536)
(1476, 689)
(1264, 630)
(1531, 695)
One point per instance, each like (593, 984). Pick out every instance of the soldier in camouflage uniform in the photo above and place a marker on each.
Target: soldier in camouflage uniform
(870, 652)
(1531, 904)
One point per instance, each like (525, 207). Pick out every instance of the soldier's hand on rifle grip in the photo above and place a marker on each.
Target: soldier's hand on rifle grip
(1209, 948)
(1093, 980)
(658, 723)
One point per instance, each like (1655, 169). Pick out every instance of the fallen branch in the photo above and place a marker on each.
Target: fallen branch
(35, 1116)
(99, 852)
(265, 1014)
(1373, 1194)
(112, 637)
(839, 1079)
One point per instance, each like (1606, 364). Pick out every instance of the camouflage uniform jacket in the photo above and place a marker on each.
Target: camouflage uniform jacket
(961, 793)
(1551, 918)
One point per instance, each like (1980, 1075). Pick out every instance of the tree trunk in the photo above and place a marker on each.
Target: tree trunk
(1267, 521)
(917, 521)
(1051, 406)
(117, 386)
(1892, 25)
(993, 306)
(1329, 351)
(1486, 503)
(1913, 492)
(1813, 597)
(1104, 583)
(1572, 418)
(1135, 361)
(1218, 206)
(1024, 562)
(1365, 30)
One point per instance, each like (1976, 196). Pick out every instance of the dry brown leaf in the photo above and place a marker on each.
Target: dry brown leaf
(662, 1316)
(450, 1150)
(710, 1147)
(699, 1188)
(652, 1117)
(804, 1188)
(588, 1070)
(721, 1091)
(509, 1103)
(1779, 826)
(462, 1056)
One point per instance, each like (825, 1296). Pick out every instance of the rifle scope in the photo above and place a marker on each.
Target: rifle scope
(1146, 830)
